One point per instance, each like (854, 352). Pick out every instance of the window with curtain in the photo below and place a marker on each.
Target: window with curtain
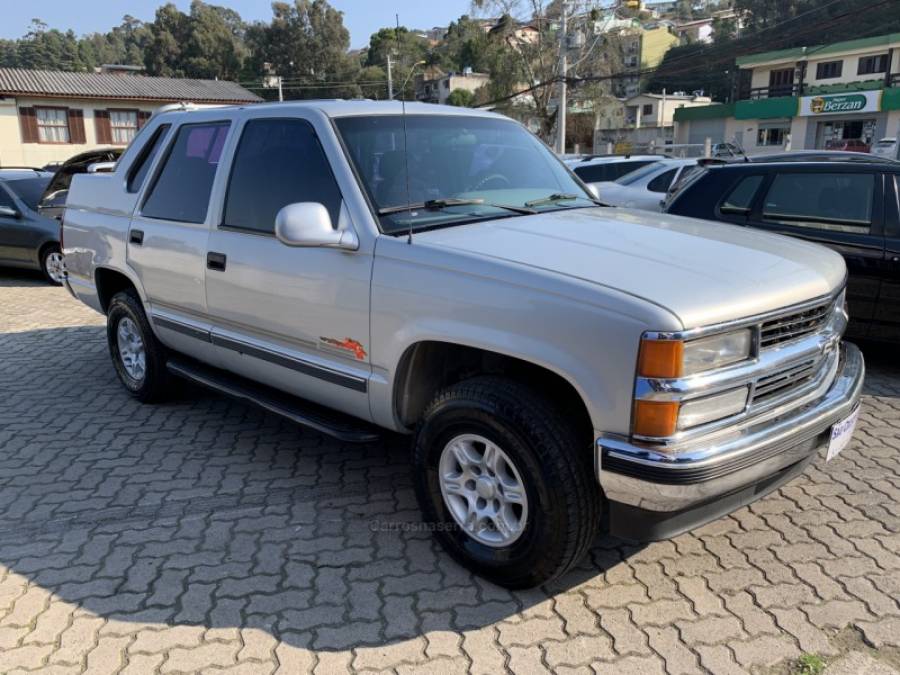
(52, 124)
(123, 124)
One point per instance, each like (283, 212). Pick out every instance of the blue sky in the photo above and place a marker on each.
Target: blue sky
(362, 17)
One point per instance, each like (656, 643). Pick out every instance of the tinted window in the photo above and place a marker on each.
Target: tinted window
(181, 190)
(638, 174)
(832, 201)
(145, 159)
(5, 199)
(278, 162)
(740, 199)
(662, 182)
(597, 173)
(29, 190)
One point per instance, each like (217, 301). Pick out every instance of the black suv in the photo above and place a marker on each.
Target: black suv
(853, 208)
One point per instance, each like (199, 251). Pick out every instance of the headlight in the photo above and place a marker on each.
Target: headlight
(712, 408)
(716, 351)
(676, 358)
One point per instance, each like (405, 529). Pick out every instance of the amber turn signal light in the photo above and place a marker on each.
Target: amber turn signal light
(656, 418)
(661, 358)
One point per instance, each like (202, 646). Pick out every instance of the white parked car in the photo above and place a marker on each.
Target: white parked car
(888, 148)
(646, 187)
(603, 169)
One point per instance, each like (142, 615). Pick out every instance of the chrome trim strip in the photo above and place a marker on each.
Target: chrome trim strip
(183, 328)
(305, 367)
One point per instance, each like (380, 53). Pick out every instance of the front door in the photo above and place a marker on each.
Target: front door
(9, 228)
(841, 209)
(294, 318)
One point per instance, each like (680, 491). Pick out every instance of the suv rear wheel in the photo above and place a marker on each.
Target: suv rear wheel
(139, 358)
(501, 478)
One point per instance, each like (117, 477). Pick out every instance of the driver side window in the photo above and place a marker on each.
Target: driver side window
(278, 162)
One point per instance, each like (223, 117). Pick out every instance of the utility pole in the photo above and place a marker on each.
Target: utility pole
(280, 90)
(563, 67)
(390, 79)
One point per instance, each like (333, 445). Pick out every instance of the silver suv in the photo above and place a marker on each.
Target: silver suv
(561, 366)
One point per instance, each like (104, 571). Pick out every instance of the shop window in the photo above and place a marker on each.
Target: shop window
(869, 65)
(773, 136)
(829, 70)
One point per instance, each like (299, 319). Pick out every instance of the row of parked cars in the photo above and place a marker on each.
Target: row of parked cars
(32, 200)
(844, 200)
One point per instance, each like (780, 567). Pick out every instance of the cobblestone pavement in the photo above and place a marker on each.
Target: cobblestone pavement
(206, 536)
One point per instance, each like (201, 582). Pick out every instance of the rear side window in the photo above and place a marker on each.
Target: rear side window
(181, 190)
(5, 199)
(145, 160)
(740, 199)
(278, 162)
(662, 182)
(827, 201)
(598, 173)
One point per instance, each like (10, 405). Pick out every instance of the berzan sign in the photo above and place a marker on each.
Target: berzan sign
(841, 104)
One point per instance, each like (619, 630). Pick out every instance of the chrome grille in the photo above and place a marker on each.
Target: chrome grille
(793, 326)
(772, 386)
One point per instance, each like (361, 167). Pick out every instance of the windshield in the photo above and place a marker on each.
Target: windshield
(29, 190)
(492, 161)
(635, 176)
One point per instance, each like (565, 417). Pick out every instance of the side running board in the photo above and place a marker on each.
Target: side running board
(327, 421)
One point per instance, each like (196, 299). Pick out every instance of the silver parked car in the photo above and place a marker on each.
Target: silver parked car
(560, 366)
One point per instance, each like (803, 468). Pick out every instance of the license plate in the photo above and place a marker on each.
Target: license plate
(840, 435)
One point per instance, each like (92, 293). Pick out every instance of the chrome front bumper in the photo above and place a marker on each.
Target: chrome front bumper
(748, 461)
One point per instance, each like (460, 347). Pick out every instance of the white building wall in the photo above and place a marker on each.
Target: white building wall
(13, 152)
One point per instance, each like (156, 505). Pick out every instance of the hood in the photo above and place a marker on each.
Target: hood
(704, 272)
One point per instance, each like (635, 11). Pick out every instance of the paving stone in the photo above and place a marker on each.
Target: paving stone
(200, 535)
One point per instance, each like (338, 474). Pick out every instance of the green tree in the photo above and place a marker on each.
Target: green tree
(462, 98)
(306, 43)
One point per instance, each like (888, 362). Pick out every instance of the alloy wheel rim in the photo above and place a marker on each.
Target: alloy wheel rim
(131, 349)
(483, 490)
(55, 265)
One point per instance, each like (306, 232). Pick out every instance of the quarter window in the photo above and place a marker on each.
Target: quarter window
(740, 199)
(52, 124)
(827, 201)
(148, 153)
(873, 64)
(278, 162)
(124, 125)
(829, 70)
(181, 189)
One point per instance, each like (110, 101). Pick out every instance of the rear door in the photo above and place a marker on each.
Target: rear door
(840, 207)
(168, 234)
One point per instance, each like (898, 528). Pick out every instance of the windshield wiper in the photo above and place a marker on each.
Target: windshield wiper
(562, 197)
(434, 204)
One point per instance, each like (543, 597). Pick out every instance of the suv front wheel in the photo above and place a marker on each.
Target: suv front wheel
(504, 483)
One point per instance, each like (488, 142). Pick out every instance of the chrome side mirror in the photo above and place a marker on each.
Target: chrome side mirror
(9, 212)
(308, 224)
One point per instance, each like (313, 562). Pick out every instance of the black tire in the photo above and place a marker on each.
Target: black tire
(46, 265)
(564, 499)
(155, 384)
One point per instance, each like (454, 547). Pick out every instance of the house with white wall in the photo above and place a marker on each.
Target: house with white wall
(49, 116)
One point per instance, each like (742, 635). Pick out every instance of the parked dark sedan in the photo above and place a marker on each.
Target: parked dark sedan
(852, 207)
(27, 238)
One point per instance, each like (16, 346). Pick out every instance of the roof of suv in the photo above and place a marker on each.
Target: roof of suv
(346, 108)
